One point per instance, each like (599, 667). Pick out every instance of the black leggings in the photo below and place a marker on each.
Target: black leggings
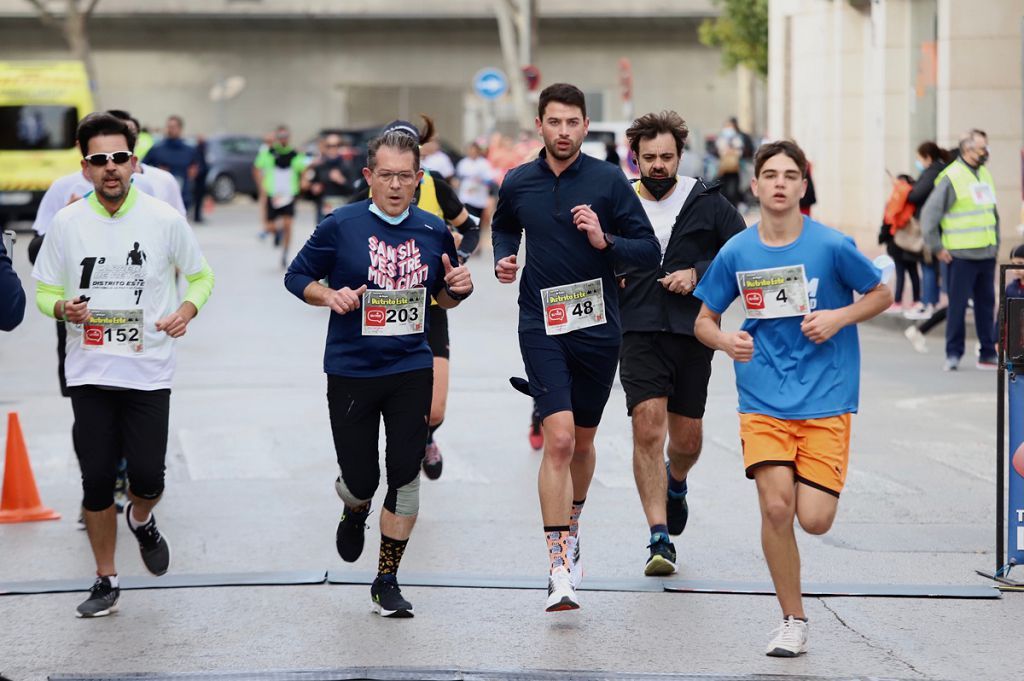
(356, 406)
(111, 423)
(910, 269)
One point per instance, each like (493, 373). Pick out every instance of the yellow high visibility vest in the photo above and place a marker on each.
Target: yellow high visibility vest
(971, 221)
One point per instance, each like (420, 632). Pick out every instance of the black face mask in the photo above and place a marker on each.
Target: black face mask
(658, 186)
(982, 158)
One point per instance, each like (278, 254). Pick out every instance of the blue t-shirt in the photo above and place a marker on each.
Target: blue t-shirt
(352, 247)
(173, 155)
(789, 376)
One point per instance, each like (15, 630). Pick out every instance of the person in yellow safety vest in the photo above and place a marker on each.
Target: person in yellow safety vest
(960, 224)
(436, 196)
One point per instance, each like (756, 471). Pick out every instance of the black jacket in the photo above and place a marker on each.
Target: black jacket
(706, 221)
(924, 186)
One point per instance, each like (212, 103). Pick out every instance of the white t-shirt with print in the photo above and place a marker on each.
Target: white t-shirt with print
(126, 266)
(663, 214)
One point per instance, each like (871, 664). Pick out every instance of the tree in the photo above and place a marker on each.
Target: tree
(741, 32)
(72, 26)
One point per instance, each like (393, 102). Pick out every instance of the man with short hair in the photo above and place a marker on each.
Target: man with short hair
(960, 223)
(797, 362)
(663, 369)
(121, 321)
(177, 157)
(330, 177)
(278, 170)
(582, 220)
(383, 259)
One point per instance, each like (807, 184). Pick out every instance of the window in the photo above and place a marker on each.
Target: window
(34, 127)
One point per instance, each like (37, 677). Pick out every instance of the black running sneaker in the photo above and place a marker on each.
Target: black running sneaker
(156, 552)
(432, 462)
(102, 599)
(351, 533)
(387, 598)
(663, 557)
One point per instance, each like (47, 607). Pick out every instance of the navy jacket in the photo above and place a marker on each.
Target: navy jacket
(533, 199)
(12, 297)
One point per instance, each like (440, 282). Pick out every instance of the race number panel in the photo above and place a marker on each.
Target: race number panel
(114, 332)
(983, 194)
(774, 293)
(394, 313)
(573, 306)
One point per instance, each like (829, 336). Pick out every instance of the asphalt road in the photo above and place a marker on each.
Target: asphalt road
(250, 489)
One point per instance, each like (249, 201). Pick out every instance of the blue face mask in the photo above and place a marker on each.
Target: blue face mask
(390, 219)
(919, 166)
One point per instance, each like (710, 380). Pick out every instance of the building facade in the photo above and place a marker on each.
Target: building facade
(861, 83)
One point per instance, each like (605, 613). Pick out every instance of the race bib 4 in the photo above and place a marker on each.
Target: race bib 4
(774, 293)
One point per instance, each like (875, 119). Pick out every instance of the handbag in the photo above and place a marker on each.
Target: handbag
(910, 238)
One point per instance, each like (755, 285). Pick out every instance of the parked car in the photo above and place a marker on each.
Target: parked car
(230, 159)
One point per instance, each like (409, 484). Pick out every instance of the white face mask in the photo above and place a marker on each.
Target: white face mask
(390, 219)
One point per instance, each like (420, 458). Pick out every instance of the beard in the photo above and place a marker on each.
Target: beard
(113, 195)
(553, 151)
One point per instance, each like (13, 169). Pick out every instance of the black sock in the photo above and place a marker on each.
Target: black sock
(431, 430)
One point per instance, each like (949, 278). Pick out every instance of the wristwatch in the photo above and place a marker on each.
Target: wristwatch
(457, 296)
(609, 239)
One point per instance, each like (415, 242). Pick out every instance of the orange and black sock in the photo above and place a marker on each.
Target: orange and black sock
(574, 517)
(391, 552)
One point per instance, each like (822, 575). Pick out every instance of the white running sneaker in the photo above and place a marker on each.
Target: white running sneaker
(561, 594)
(790, 639)
(575, 563)
(916, 339)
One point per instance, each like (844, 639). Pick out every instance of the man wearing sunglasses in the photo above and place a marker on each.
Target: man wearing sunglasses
(122, 315)
(383, 259)
(148, 179)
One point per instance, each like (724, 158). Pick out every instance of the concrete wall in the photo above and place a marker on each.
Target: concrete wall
(850, 82)
(312, 74)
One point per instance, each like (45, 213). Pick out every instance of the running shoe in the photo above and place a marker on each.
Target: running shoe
(156, 552)
(121, 486)
(575, 563)
(790, 639)
(916, 339)
(387, 598)
(952, 364)
(561, 594)
(432, 462)
(536, 433)
(102, 599)
(351, 533)
(663, 557)
(987, 363)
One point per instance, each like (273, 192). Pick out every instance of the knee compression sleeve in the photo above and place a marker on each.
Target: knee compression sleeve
(350, 499)
(404, 500)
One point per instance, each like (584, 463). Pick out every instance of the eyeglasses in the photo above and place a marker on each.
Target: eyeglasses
(100, 159)
(404, 178)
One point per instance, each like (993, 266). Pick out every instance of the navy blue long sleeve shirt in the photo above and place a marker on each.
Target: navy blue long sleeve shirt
(12, 296)
(533, 199)
(352, 247)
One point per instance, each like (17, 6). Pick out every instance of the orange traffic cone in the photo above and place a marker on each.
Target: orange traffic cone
(20, 502)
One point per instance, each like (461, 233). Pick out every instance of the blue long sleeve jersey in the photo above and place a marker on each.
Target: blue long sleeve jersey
(352, 247)
(533, 199)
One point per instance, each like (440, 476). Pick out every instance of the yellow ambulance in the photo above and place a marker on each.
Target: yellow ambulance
(41, 103)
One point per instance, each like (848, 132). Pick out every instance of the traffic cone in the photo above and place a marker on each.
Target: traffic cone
(20, 502)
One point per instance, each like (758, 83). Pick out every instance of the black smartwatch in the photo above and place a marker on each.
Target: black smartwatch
(457, 296)
(610, 240)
